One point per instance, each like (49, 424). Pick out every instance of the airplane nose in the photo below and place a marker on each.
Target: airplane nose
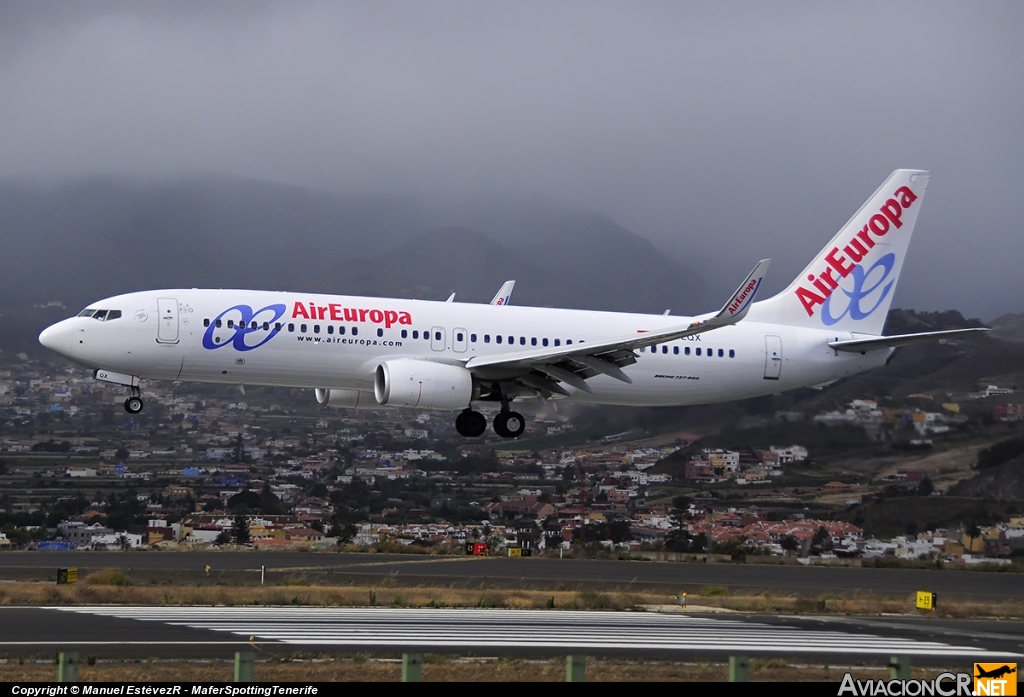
(57, 338)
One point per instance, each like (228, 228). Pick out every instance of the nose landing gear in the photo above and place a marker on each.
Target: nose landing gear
(133, 405)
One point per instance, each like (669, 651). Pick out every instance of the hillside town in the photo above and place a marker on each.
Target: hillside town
(205, 467)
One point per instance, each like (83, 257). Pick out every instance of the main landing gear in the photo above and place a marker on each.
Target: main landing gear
(133, 405)
(507, 424)
(470, 424)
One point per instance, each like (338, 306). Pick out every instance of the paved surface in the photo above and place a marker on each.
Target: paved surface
(188, 567)
(189, 632)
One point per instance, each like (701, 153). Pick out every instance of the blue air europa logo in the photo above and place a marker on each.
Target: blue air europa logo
(859, 292)
(245, 322)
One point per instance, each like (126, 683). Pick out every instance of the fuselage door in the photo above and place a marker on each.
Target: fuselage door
(772, 357)
(167, 326)
(459, 340)
(437, 338)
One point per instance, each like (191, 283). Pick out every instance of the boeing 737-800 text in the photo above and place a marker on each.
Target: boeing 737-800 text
(362, 352)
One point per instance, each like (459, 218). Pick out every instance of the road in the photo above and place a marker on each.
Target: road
(193, 632)
(188, 567)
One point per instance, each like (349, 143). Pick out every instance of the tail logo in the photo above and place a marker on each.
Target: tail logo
(859, 292)
(841, 263)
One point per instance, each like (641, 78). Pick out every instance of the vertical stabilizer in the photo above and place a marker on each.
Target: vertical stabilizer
(850, 284)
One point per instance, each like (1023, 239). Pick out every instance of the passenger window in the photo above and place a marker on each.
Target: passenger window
(277, 326)
(253, 325)
(316, 328)
(415, 333)
(544, 342)
(302, 328)
(641, 349)
(341, 330)
(206, 322)
(568, 341)
(675, 350)
(497, 339)
(405, 333)
(558, 342)
(330, 328)
(487, 338)
(711, 353)
(459, 336)
(511, 340)
(687, 350)
(113, 314)
(231, 324)
(355, 331)
(721, 353)
(533, 341)
(266, 326)
(218, 324)
(472, 338)
(522, 341)
(664, 349)
(698, 351)
(380, 332)
(437, 336)
(291, 327)
(732, 353)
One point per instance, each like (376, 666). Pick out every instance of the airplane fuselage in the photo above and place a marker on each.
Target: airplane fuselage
(325, 341)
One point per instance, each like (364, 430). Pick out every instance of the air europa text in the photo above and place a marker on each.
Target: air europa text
(839, 262)
(337, 313)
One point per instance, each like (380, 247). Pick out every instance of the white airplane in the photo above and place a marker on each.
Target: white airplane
(359, 352)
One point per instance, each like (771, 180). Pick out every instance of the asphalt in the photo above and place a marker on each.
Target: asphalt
(109, 632)
(329, 567)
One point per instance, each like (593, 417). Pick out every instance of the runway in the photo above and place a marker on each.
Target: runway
(328, 567)
(191, 631)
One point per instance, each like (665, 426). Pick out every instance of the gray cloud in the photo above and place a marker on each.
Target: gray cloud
(723, 132)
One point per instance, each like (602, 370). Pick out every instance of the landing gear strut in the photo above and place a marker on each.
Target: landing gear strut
(133, 405)
(470, 424)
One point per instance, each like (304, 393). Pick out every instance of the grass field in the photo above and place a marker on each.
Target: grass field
(113, 587)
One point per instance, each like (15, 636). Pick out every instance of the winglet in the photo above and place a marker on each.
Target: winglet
(504, 293)
(739, 304)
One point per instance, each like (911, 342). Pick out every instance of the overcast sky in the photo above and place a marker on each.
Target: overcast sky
(723, 132)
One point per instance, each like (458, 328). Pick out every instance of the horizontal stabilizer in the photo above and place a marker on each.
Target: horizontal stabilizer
(885, 342)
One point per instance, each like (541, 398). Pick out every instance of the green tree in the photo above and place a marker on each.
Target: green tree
(679, 538)
(925, 487)
(790, 544)
(822, 541)
(240, 530)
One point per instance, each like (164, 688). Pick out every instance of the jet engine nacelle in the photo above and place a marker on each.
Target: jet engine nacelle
(423, 384)
(347, 399)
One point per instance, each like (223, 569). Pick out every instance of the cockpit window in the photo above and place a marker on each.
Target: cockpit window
(101, 315)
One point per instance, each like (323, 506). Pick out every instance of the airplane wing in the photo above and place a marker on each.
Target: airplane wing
(504, 293)
(543, 369)
(877, 343)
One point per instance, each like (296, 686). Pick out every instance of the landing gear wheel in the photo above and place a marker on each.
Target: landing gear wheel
(470, 424)
(509, 424)
(133, 405)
